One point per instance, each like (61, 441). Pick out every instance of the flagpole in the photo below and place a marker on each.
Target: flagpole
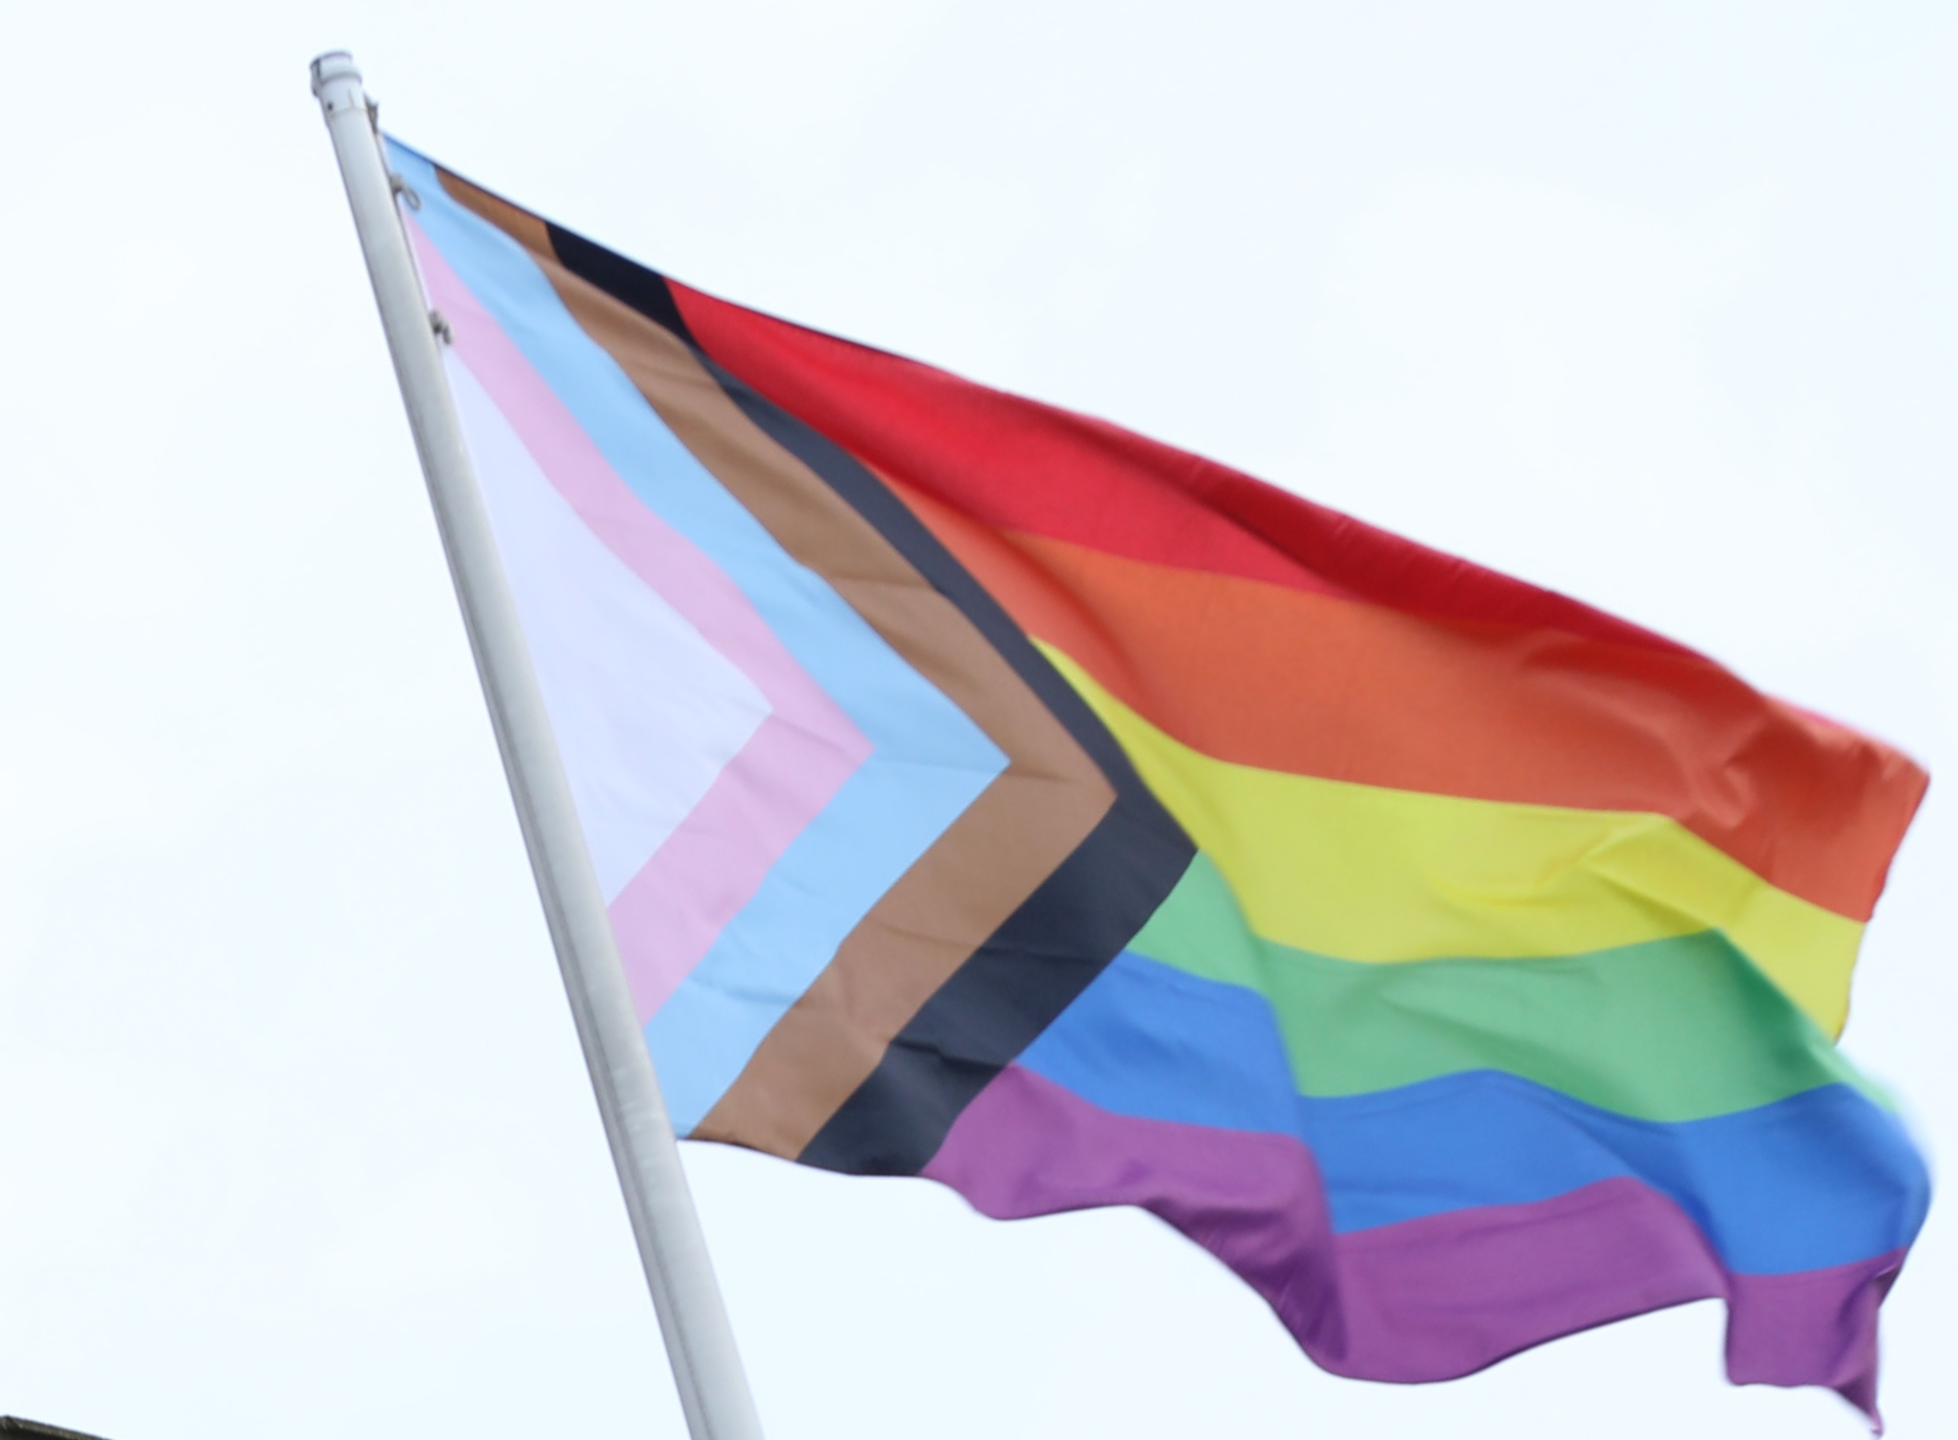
(699, 1341)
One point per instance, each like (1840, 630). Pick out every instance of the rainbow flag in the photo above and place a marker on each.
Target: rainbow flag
(983, 792)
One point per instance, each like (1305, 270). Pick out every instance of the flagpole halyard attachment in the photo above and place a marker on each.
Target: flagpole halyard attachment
(699, 1341)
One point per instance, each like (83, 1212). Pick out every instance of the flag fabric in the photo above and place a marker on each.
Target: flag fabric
(983, 792)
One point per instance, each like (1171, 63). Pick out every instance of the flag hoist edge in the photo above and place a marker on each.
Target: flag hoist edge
(984, 792)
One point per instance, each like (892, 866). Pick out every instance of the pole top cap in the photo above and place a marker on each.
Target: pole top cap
(333, 65)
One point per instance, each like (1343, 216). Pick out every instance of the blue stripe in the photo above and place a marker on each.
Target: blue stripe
(1821, 1178)
(929, 760)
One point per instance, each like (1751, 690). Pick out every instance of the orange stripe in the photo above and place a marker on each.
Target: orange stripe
(1283, 679)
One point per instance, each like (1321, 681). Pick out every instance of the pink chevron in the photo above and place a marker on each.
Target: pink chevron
(670, 912)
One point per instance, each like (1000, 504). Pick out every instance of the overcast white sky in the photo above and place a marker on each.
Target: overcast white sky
(1653, 303)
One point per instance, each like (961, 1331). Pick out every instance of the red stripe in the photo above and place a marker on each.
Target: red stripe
(1019, 465)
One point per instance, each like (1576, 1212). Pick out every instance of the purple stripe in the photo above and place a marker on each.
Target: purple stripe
(668, 915)
(1427, 1299)
(1817, 1327)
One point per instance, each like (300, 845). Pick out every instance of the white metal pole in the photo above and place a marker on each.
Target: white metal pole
(699, 1341)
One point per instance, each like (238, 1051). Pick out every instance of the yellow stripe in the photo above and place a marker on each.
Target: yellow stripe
(1361, 872)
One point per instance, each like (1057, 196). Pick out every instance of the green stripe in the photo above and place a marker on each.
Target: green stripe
(1667, 1030)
